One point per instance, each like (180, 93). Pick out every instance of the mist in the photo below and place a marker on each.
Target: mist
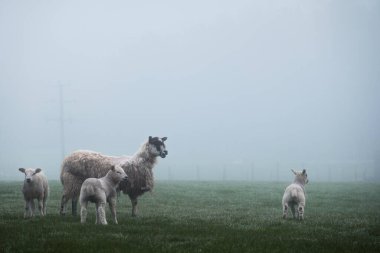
(244, 90)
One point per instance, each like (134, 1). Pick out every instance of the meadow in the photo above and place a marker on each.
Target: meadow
(203, 217)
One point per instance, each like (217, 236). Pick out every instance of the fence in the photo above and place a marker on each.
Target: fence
(330, 171)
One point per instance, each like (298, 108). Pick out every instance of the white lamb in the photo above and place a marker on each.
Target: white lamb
(294, 196)
(100, 191)
(35, 187)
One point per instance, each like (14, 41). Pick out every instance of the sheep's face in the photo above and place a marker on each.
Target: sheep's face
(118, 174)
(301, 176)
(29, 174)
(157, 146)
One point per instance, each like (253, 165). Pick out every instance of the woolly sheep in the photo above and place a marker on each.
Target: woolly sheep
(35, 187)
(81, 165)
(294, 196)
(100, 191)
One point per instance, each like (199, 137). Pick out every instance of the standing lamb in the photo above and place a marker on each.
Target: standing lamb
(294, 195)
(100, 191)
(35, 187)
(81, 165)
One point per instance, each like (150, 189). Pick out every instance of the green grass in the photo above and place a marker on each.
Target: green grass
(203, 217)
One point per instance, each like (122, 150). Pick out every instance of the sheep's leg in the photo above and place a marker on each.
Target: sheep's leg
(83, 211)
(64, 200)
(44, 205)
(97, 220)
(74, 204)
(285, 211)
(134, 207)
(112, 204)
(26, 212)
(31, 204)
(40, 206)
(102, 214)
(32, 207)
(293, 210)
(301, 209)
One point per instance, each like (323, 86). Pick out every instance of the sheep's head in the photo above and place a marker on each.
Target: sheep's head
(118, 174)
(157, 146)
(301, 176)
(29, 173)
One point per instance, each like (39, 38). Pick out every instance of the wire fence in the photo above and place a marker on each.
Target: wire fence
(278, 171)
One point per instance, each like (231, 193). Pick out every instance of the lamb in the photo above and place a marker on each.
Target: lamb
(100, 191)
(35, 187)
(81, 165)
(294, 195)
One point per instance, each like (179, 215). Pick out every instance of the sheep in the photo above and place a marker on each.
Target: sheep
(81, 165)
(100, 191)
(35, 187)
(295, 195)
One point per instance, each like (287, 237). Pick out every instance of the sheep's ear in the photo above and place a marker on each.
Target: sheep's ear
(22, 170)
(38, 170)
(164, 139)
(304, 172)
(150, 139)
(295, 173)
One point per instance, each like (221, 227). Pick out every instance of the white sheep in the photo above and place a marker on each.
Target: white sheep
(100, 191)
(85, 164)
(35, 187)
(295, 195)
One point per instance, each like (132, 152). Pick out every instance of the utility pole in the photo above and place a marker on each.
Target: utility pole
(61, 118)
(61, 121)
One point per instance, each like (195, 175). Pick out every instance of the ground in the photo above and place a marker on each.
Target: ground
(203, 217)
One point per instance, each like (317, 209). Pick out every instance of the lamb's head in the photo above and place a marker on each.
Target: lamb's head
(29, 173)
(118, 174)
(301, 177)
(156, 146)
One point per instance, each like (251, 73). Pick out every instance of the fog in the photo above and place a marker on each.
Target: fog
(244, 90)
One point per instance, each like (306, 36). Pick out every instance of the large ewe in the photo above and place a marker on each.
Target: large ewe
(100, 191)
(294, 196)
(35, 187)
(81, 165)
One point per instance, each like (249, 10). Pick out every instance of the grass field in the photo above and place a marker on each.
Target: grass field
(203, 217)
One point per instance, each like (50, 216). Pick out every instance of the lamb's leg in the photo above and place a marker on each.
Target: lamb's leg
(31, 204)
(102, 213)
(74, 204)
(26, 212)
(83, 211)
(32, 208)
(301, 209)
(44, 205)
(40, 206)
(112, 204)
(64, 200)
(134, 207)
(97, 219)
(285, 211)
(293, 210)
